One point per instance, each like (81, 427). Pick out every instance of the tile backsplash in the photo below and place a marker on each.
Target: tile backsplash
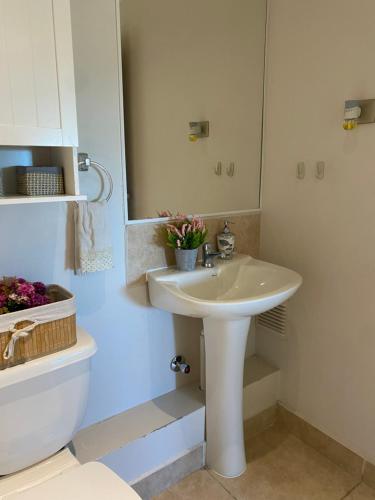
(146, 249)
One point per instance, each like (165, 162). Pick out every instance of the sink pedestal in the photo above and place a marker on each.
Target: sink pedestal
(225, 346)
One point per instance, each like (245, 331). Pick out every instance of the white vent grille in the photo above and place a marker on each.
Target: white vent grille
(274, 319)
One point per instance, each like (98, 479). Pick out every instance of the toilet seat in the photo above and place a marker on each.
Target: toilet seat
(92, 481)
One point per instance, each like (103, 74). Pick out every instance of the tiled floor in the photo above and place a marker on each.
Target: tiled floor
(280, 467)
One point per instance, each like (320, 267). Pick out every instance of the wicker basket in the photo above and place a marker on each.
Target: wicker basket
(40, 181)
(48, 329)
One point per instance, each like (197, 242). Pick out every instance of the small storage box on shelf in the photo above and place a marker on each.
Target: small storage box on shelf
(40, 181)
(63, 157)
(39, 331)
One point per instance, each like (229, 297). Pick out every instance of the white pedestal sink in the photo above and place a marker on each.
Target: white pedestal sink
(226, 297)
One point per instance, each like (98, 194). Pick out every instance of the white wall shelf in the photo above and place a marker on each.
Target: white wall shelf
(65, 157)
(38, 120)
(21, 200)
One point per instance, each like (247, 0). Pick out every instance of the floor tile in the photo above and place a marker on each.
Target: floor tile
(199, 485)
(362, 492)
(281, 467)
(369, 475)
(334, 451)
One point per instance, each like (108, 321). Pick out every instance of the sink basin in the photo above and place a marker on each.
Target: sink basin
(233, 289)
(225, 297)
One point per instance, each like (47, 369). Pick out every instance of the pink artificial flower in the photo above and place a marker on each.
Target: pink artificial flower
(40, 287)
(185, 232)
(19, 299)
(175, 230)
(39, 300)
(25, 289)
(198, 224)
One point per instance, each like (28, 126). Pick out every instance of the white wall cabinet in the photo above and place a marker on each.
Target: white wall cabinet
(37, 94)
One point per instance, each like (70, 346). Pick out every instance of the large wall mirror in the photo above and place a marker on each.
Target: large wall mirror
(186, 64)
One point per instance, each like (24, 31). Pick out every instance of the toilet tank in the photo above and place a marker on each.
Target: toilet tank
(42, 404)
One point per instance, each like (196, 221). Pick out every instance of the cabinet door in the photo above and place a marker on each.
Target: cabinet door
(37, 98)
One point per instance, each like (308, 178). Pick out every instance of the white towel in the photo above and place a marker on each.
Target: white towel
(93, 247)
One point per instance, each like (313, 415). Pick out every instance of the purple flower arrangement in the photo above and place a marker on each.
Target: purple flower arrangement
(17, 294)
(186, 233)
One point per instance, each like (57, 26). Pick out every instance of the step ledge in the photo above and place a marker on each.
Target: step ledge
(103, 438)
(100, 439)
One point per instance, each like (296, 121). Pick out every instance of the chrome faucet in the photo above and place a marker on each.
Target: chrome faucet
(208, 255)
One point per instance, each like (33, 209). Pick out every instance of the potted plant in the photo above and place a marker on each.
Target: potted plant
(186, 234)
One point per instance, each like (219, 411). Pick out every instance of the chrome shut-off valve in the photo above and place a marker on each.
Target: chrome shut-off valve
(178, 364)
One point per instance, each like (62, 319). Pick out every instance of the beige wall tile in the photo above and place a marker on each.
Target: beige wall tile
(162, 479)
(246, 229)
(339, 454)
(146, 248)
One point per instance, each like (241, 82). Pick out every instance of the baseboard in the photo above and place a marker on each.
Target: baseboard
(260, 422)
(327, 446)
(368, 475)
(171, 474)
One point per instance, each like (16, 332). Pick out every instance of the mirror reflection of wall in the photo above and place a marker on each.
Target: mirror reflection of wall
(192, 61)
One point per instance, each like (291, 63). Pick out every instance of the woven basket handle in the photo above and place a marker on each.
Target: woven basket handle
(16, 335)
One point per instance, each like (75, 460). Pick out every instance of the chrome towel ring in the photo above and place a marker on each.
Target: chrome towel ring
(84, 163)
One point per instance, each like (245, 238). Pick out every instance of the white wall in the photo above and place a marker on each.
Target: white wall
(135, 341)
(321, 53)
(188, 61)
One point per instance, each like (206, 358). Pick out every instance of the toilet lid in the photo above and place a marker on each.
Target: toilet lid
(92, 481)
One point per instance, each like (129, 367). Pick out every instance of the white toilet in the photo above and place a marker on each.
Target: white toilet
(42, 404)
